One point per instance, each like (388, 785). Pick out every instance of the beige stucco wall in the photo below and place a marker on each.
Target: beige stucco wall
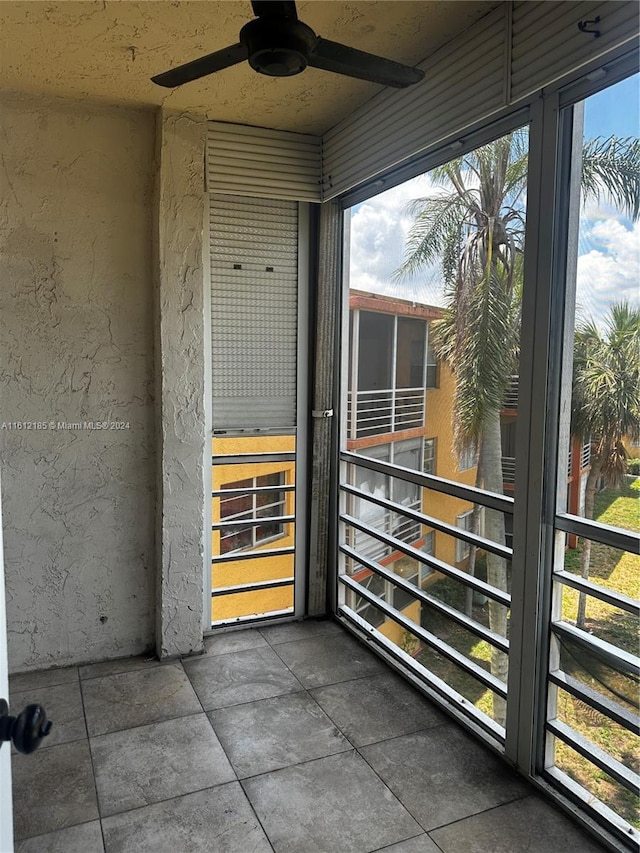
(76, 345)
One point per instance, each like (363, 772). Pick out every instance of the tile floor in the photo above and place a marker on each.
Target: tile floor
(293, 738)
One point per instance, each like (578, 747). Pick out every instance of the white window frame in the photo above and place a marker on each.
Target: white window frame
(464, 521)
(252, 513)
(429, 455)
(468, 458)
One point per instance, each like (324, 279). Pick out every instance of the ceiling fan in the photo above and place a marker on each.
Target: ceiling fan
(276, 43)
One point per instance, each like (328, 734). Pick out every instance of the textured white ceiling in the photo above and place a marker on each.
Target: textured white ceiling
(107, 51)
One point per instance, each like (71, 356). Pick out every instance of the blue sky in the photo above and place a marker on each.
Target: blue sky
(609, 244)
(614, 110)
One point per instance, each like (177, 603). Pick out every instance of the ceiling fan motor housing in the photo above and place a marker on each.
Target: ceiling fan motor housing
(277, 46)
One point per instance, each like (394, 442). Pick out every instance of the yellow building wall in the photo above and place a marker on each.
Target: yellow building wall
(438, 420)
(235, 605)
(634, 452)
(397, 634)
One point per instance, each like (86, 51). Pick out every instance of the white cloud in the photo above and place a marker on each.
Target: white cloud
(379, 229)
(608, 263)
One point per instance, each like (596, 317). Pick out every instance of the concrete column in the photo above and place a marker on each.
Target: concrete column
(324, 391)
(180, 377)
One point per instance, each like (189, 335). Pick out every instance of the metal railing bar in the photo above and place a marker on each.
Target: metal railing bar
(617, 658)
(595, 755)
(430, 639)
(616, 599)
(232, 556)
(250, 490)
(254, 522)
(253, 617)
(607, 707)
(427, 560)
(502, 503)
(422, 675)
(257, 458)
(429, 521)
(250, 587)
(615, 537)
(254, 432)
(455, 615)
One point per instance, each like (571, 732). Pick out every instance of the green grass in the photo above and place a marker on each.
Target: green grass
(619, 571)
(616, 570)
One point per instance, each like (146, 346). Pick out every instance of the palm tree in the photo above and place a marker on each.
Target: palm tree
(474, 229)
(606, 404)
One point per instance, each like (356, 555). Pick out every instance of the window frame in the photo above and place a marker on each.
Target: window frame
(252, 512)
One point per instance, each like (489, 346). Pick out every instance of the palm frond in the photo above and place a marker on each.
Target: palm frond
(437, 220)
(606, 385)
(611, 167)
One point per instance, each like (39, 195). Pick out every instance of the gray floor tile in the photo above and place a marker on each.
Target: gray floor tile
(442, 774)
(53, 788)
(377, 708)
(521, 827)
(246, 676)
(63, 706)
(112, 667)
(43, 678)
(326, 660)
(140, 766)
(300, 630)
(274, 733)
(419, 844)
(218, 820)
(328, 805)
(137, 698)
(85, 838)
(234, 641)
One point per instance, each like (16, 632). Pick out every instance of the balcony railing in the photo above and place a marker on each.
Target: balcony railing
(385, 410)
(405, 529)
(509, 468)
(511, 394)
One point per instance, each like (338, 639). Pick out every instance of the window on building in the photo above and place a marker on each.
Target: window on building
(377, 585)
(429, 547)
(464, 522)
(468, 458)
(267, 502)
(433, 372)
(429, 463)
(408, 455)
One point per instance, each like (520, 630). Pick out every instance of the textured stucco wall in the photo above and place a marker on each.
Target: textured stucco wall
(182, 253)
(76, 344)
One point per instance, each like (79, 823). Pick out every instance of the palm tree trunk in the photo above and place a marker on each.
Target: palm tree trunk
(585, 558)
(491, 460)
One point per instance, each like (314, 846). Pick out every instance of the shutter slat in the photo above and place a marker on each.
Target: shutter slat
(254, 313)
(255, 161)
(547, 44)
(393, 126)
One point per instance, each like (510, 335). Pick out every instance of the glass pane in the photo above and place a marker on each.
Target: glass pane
(598, 783)
(426, 302)
(595, 474)
(261, 500)
(410, 353)
(599, 619)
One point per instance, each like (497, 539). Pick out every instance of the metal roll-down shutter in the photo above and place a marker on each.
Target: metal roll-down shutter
(254, 308)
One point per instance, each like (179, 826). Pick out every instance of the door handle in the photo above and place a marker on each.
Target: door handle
(27, 730)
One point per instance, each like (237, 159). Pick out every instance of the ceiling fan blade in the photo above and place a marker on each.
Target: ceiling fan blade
(331, 56)
(266, 8)
(201, 67)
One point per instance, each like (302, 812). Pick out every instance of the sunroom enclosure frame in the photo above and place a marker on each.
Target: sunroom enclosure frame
(552, 209)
